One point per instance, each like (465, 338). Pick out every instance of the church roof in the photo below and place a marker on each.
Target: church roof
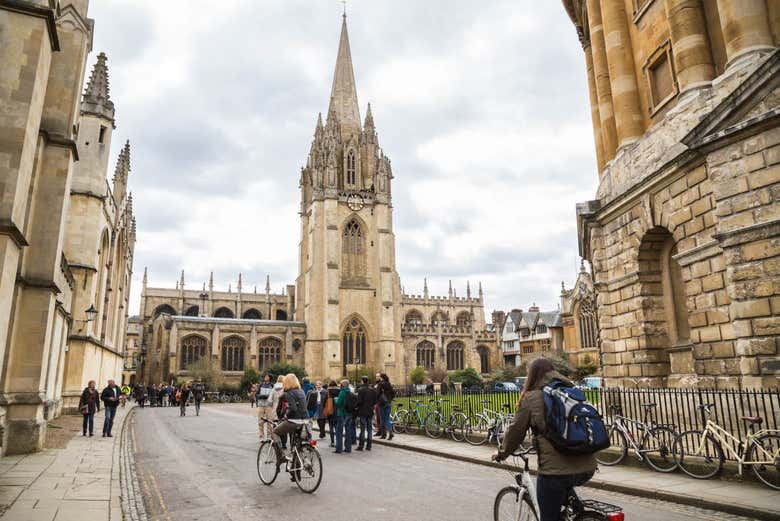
(343, 95)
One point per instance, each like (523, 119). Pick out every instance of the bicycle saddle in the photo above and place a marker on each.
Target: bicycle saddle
(757, 420)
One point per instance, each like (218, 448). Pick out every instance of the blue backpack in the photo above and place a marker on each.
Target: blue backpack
(574, 426)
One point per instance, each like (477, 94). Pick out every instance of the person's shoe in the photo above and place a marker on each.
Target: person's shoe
(382, 436)
(109, 435)
(359, 449)
(332, 444)
(368, 448)
(83, 433)
(104, 434)
(390, 437)
(336, 452)
(91, 434)
(378, 433)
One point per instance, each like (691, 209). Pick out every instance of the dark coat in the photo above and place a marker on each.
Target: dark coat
(530, 415)
(367, 398)
(311, 399)
(296, 405)
(91, 399)
(385, 388)
(107, 396)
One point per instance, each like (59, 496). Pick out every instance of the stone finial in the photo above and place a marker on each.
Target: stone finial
(369, 122)
(211, 281)
(230, 287)
(480, 289)
(425, 287)
(146, 277)
(468, 289)
(181, 280)
(267, 284)
(204, 287)
(239, 283)
(96, 99)
(319, 129)
(121, 173)
(582, 265)
(255, 291)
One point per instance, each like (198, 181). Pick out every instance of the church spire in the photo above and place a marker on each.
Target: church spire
(96, 99)
(121, 173)
(343, 95)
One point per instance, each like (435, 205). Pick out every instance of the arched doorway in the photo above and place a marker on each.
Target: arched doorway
(353, 343)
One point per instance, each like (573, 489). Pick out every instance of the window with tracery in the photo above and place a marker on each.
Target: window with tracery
(541, 328)
(484, 359)
(269, 352)
(455, 356)
(439, 319)
(587, 323)
(528, 349)
(224, 313)
(426, 354)
(192, 311)
(463, 319)
(233, 348)
(353, 252)
(193, 348)
(351, 169)
(353, 343)
(413, 318)
(252, 314)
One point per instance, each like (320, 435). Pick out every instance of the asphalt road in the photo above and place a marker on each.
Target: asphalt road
(203, 468)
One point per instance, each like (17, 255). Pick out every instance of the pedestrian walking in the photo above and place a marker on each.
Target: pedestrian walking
(367, 399)
(198, 391)
(89, 404)
(110, 398)
(280, 406)
(307, 387)
(166, 395)
(345, 406)
(182, 396)
(377, 416)
(266, 407)
(330, 408)
(315, 404)
(138, 394)
(385, 400)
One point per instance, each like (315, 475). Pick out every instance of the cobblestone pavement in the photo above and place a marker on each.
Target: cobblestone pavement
(203, 468)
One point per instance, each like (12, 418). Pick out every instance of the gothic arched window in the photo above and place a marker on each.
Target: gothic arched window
(413, 318)
(586, 318)
(463, 319)
(252, 314)
(353, 252)
(233, 348)
(193, 348)
(484, 359)
(270, 352)
(439, 319)
(223, 313)
(351, 169)
(192, 311)
(455, 356)
(281, 314)
(353, 343)
(426, 354)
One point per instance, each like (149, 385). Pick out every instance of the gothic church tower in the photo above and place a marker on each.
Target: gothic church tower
(348, 290)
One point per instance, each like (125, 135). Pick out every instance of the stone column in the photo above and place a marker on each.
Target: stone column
(594, 108)
(598, 53)
(690, 43)
(745, 25)
(629, 122)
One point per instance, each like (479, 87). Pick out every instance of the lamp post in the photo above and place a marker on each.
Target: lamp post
(90, 313)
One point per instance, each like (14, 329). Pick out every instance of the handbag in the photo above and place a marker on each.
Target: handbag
(383, 399)
(84, 409)
(327, 409)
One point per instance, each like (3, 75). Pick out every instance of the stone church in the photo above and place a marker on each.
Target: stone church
(346, 308)
(684, 232)
(67, 234)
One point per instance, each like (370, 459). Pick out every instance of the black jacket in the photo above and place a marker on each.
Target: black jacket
(107, 396)
(367, 397)
(385, 388)
(311, 399)
(296, 405)
(90, 399)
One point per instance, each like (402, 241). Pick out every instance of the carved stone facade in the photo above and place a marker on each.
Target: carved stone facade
(684, 235)
(66, 235)
(347, 308)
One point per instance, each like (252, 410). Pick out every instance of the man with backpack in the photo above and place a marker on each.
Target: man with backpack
(565, 443)
(367, 398)
(346, 405)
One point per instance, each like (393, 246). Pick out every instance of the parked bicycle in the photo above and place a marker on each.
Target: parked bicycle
(700, 453)
(411, 421)
(655, 444)
(303, 461)
(437, 424)
(487, 425)
(517, 502)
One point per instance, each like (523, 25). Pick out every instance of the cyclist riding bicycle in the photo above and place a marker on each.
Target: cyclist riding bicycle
(558, 473)
(294, 415)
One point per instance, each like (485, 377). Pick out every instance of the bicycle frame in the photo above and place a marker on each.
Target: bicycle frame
(620, 423)
(726, 439)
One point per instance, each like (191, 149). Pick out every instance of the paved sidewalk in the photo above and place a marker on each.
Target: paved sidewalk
(745, 498)
(77, 483)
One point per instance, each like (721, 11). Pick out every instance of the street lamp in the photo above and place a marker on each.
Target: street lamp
(91, 313)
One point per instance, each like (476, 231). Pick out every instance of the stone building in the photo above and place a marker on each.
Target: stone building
(66, 236)
(570, 331)
(132, 351)
(683, 235)
(346, 308)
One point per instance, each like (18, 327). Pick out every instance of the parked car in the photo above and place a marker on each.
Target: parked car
(504, 387)
(590, 382)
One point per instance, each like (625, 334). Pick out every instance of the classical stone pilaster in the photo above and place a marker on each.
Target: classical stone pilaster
(690, 43)
(601, 79)
(625, 92)
(594, 109)
(745, 25)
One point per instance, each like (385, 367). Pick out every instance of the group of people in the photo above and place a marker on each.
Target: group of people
(89, 404)
(343, 408)
(162, 395)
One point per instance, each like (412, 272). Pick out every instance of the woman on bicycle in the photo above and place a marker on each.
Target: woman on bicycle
(294, 415)
(558, 472)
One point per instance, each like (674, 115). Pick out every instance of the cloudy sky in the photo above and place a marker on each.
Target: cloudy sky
(482, 107)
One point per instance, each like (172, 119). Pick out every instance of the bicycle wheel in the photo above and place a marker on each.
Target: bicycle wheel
(764, 455)
(456, 426)
(510, 506)
(698, 456)
(656, 448)
(308, 469)
(476, 429)
(401, 422)
(617, 450)
(267, 470)
(433, 424)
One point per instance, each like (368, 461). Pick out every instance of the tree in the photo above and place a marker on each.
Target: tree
(251, 376)
(437, 375)
(207, 371)
(508, 373)
(418, 375)
(586, 368)
(283, 368)
(468, 376)
(561, 364)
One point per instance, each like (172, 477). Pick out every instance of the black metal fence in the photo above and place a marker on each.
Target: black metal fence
(469, 401)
